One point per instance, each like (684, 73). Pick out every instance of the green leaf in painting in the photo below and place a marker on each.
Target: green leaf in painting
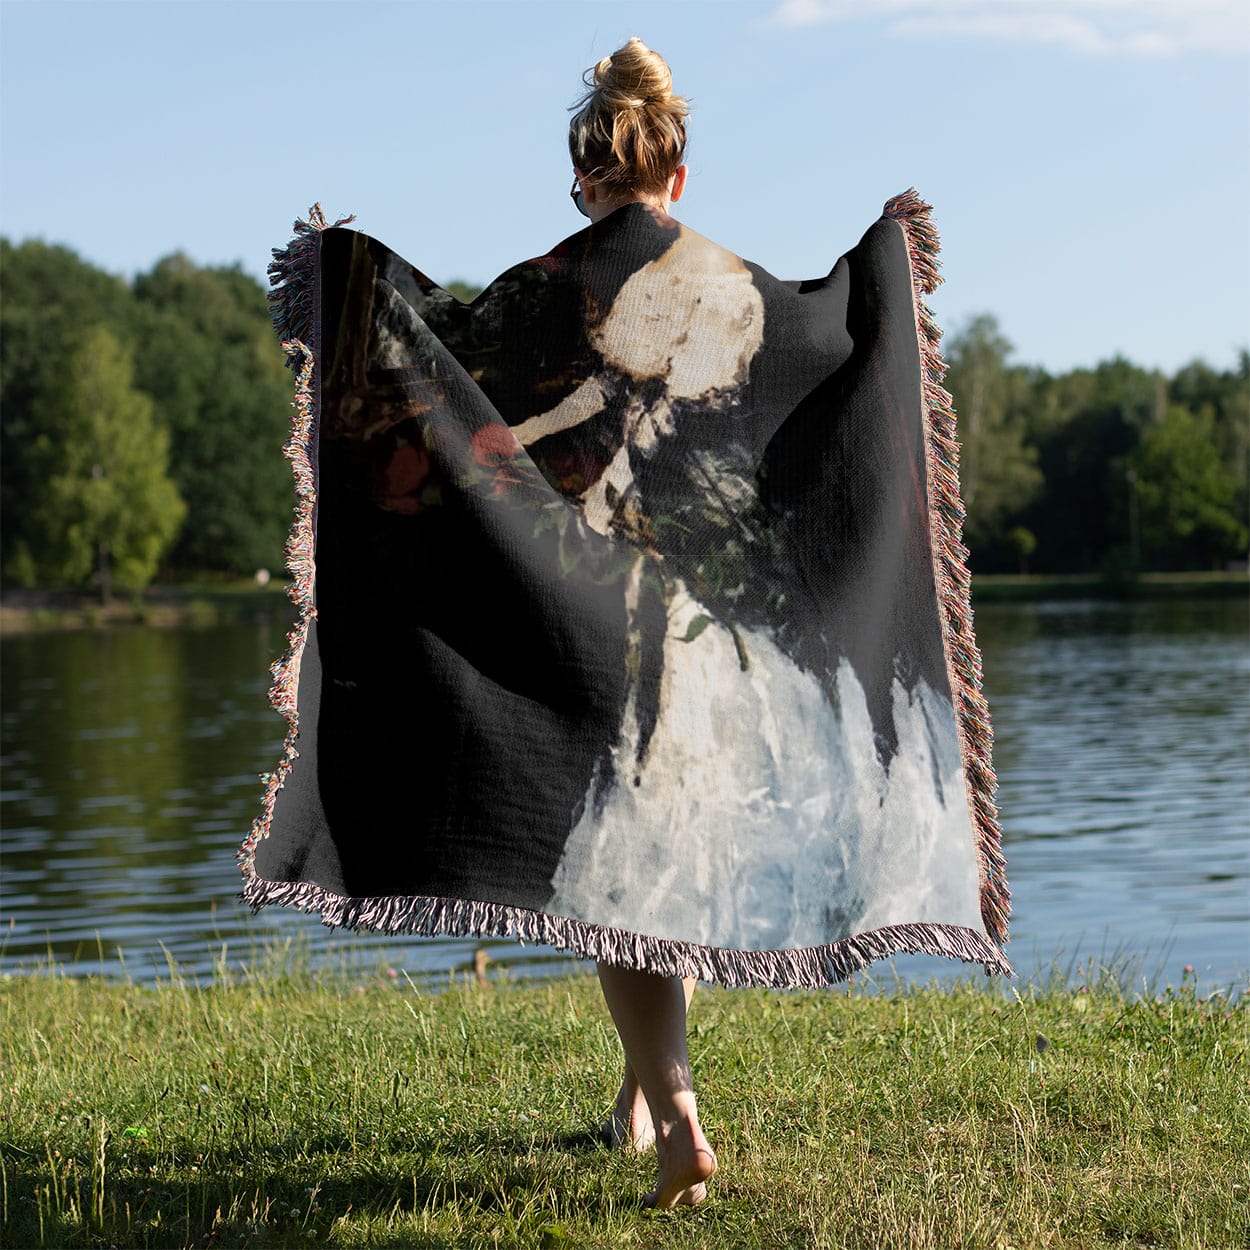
(697, 626)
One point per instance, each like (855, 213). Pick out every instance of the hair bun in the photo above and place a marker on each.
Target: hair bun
(635, 75)
(630, 131)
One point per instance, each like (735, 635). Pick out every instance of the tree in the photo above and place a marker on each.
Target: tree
(1186, 494)
(1086, 426)
(209, 357)
(1111, 466)
(998, 473)
(1223, 398)
(1023, 543)
(105, 505)
(51, 297)
(465, 292)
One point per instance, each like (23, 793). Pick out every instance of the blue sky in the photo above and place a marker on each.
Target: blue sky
(1088, 160)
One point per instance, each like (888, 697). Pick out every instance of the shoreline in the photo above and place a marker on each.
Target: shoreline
(200, 604)
(172, 605)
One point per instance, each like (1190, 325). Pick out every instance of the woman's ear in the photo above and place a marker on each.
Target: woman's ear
(679, 183)
(588, 186)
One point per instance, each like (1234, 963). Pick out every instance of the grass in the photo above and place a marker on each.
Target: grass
(997, 587)
(196, 603)
(282, 1107)
(212, 601)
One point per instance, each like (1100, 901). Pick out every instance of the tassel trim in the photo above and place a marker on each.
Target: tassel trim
(293, 279)
(954, 582)
(811, 967)
(295, 315)
(293, 303)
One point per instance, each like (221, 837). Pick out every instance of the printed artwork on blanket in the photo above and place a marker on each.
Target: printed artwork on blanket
(635, 614)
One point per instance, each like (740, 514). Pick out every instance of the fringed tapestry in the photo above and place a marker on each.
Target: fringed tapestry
(634, 618)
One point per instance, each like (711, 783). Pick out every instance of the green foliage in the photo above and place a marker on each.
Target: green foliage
(465, 292)
(1186, 490)
(997, 467)
(1222, 400)
(1053, 456)
(1050, 456)
(51, 298)
(1023, 542)
(105, 506)
(208, 351)
(1083, 462)
(205, 356)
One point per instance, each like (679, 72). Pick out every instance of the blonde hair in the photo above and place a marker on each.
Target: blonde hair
(629, 135)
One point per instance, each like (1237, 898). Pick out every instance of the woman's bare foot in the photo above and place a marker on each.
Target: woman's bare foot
(629, 1124)
(649, 1010)
(686, 1164)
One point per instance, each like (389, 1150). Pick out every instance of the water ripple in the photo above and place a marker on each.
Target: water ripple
(132, 761)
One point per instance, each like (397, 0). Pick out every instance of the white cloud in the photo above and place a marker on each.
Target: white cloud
(1138, 28)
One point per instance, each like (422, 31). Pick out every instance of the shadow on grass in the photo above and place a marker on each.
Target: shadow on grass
(266, 1198)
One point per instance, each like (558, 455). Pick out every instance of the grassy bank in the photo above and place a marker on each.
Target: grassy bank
(291, 1109)
(991, 587)
(211, 603)
(190, 603)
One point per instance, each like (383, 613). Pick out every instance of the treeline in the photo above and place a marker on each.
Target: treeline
(142, 424)
(1112, 470)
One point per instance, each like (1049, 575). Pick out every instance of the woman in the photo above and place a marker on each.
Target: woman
(627, 142)
(634, 614)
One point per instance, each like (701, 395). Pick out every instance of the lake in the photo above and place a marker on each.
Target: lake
(131, 761)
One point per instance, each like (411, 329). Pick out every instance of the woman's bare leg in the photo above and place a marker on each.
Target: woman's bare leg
(650, 1015)
(629, 1124)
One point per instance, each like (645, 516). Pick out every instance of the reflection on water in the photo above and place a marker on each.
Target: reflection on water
(1123, 773)
(131, 762)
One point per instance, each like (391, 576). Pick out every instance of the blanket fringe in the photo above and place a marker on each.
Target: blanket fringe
(293, 279)
(954, 582)
(293, 304)
(300, 547)
(810, 967)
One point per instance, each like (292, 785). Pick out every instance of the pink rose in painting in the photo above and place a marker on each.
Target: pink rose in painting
(403, 477)
(494, 444)
(496, 447)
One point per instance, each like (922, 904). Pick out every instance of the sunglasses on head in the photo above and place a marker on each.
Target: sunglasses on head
(578, 199)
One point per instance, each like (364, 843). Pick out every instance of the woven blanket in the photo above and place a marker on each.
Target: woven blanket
(634, 617)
